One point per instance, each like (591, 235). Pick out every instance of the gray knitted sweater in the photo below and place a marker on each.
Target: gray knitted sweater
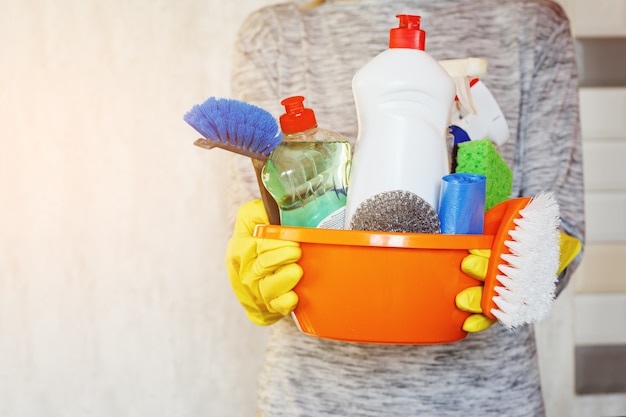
(282, 51)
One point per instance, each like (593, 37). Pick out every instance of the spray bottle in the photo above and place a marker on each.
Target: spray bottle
(485, 121)
(307, 174)
(403, 101)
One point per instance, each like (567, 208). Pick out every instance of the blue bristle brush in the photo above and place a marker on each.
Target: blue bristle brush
(242, 128)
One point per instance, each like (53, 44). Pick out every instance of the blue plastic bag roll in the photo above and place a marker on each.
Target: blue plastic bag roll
(462, 203)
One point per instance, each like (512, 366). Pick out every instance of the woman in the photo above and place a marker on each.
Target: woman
(314, 50)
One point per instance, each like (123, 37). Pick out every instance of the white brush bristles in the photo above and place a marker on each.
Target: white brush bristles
(528, 275)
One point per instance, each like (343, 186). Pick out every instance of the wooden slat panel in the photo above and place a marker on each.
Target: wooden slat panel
(600, 319)
(603, 269)
(599, 18)
(606, 216)
(601, 61)
(603, 112)
(604, 162)
(600, 369)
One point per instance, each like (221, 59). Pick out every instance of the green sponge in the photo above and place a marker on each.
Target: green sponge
(481, 157)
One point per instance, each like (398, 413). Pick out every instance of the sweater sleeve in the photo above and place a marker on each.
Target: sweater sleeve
(550, 143)
(254, 79)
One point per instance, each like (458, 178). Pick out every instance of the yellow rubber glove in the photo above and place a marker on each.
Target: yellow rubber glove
(263, 272)
(570, 247)
(475, 265)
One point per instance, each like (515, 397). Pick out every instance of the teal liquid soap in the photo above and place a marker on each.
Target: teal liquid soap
(309, 181)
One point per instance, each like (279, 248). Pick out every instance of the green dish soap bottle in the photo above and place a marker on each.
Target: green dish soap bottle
(307, 174)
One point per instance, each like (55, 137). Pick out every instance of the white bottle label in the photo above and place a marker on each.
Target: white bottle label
(334, 220)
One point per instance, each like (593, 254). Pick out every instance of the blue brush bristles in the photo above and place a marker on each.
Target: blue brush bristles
(232, 122)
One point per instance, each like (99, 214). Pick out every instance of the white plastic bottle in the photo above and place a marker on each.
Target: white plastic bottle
(307, 174)
(403, 100)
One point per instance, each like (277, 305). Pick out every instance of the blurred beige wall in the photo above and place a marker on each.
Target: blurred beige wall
(113, 294)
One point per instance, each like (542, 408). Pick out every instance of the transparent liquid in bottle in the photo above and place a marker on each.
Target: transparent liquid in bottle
(309, 181)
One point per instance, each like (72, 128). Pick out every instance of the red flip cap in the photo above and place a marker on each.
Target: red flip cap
(297, 118)
(408, 34)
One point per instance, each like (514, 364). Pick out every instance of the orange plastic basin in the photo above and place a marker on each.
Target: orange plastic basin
(379, 287)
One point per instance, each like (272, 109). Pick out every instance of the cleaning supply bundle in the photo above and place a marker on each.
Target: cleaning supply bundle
(307, 174)
(403, 99)
(241, 128)
(415, 218)
(389, 161)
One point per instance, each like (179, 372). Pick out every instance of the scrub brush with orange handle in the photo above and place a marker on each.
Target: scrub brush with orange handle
(521, 276)
(242, 128)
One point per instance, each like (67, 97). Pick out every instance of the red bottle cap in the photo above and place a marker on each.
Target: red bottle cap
(297, 118)
(408, 34)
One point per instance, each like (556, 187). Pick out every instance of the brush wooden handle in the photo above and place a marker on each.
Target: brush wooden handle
(271, 207)
(210, 144)
(258, 160)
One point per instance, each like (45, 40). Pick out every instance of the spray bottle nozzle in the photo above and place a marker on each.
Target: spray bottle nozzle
(297, 118)
(408, 33)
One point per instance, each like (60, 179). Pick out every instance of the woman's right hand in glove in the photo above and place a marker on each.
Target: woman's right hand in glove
(263, 272)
